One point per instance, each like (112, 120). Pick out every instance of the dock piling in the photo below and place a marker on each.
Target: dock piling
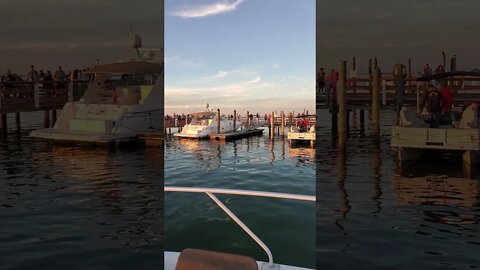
(234, 119)
(282, 129)
(3, 123)
(218, 121)
(342, 104)
(272, 125)
(17, 121)
(376, 102)
(46, 119)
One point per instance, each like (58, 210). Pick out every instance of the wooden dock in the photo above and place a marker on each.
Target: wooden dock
(153, 138)
(236, 135)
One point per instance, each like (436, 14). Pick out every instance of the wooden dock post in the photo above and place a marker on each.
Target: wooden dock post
(46, 120)
(282, 129)
(17, 121)
(247, 123)
(370, 70)
(54, 118)
(376, 102)
(272, 124)
(342, 104)
(234, 119)
(3, 123)
(399, 87)
(218, 121)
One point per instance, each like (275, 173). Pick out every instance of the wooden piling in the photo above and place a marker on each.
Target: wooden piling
(375, 63)
(370, 70)
(3, 123)
(282, 129)
(46, 119)
(272, 124)
(54, 118)
(376, 102)
(218, 121)
(342, 105)
(234, 119)
(248, 119)
(17, 121)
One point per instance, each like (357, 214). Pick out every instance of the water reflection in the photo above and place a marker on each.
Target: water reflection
(342, 175)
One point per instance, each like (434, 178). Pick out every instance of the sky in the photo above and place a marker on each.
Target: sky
(397, 30)
(244, 55)
(74, 33)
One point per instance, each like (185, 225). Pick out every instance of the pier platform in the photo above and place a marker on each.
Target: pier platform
(236, 135)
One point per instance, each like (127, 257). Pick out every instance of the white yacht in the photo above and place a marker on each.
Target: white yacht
(205, 123)
(121, 101)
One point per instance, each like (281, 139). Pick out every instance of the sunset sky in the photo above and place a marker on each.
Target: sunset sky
(240, 54)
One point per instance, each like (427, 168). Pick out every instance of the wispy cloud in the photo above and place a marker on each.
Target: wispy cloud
(207, 10)
(184, 62)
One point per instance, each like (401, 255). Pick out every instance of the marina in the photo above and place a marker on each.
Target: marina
(251, 164)
(423, 216)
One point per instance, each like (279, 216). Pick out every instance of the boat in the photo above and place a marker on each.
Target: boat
(427, 129)
(121, 101)
(205, 123)
(301, 132)
(207, 259)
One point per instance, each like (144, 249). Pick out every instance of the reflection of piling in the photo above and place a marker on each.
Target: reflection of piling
(218, 121)
(234, 119)
(342, 105)
(376, 102)
(362, 122)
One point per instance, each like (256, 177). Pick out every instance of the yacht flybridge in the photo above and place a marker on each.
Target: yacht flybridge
(122, 100)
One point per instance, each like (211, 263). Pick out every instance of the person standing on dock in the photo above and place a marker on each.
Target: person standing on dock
(427, 70)
(321, 82)
(439, 69)
(334, 80)
(59, 76)
(32, 74)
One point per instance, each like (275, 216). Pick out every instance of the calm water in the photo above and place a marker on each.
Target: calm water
(255, 163)
(78, 208)
(369, 217)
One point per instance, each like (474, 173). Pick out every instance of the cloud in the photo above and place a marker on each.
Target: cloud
(207, 10)
(184, 62)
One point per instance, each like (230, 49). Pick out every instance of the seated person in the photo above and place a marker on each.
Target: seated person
(433, 103)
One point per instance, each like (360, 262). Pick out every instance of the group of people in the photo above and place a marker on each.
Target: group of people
(437, 104)
(427, 70)
(327, 84)
(49, 80)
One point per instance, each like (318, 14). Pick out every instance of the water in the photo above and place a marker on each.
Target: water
(78, 208)
(371, 217)
(255, 163)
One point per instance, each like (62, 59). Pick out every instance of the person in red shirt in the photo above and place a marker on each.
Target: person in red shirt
(447, 97)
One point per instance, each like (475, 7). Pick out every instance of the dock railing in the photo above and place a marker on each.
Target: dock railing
(38, 95)
(212, 191)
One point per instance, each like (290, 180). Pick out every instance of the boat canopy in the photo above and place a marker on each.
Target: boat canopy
(128, 68)
(448, 75)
